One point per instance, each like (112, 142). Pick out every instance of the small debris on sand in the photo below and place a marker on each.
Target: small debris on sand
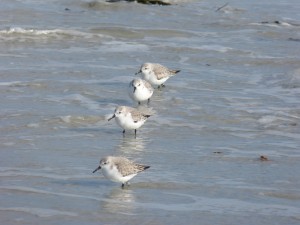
(263, 158)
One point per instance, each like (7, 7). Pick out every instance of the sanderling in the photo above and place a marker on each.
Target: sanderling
(129, 118)
(140, 90)
(119, 169)
(156, 74)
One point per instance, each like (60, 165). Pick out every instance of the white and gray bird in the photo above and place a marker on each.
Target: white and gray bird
(140, 90)
(119, 169)
(156, 74)
(129, 118)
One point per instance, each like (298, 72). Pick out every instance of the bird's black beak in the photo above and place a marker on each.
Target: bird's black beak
(138, 72)
(112, 117)
(134, 88)
(98, 168)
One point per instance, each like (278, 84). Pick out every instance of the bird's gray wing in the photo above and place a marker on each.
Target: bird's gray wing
(136, 115)
(161, 72)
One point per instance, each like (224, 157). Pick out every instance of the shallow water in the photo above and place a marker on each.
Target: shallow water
(66, 64)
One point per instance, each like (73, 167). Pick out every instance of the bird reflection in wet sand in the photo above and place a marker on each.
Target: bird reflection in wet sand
(131, 146)
(119, 201)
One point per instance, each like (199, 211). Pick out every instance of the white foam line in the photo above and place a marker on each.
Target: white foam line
(38, 191)
(45, 175)
(39, 211)
(36, 32)
(10, 83)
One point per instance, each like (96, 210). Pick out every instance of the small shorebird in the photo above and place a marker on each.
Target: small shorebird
(129, 118)
(140, 90)
(156, 74)
(119, 169)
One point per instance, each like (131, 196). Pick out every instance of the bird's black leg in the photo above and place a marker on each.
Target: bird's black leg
(123, 185)
(135, 133)
(161, 86)
(139, 103)
(123, 132)
(148, 101)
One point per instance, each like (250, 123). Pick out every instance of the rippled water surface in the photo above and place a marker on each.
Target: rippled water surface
(65, 65)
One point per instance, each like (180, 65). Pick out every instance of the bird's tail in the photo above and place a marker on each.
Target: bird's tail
(142, 168)
(174, 71)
